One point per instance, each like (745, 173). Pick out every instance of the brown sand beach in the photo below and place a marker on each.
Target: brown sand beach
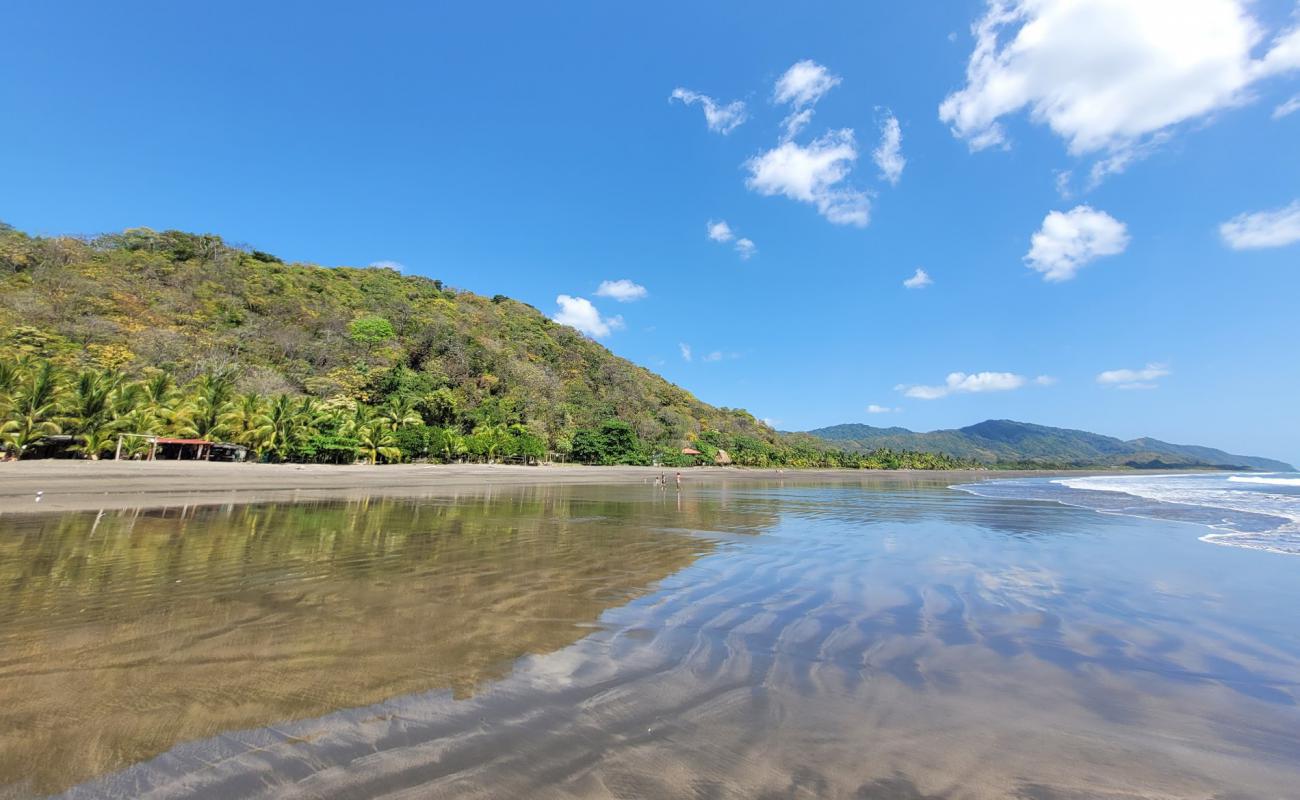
(65, 485)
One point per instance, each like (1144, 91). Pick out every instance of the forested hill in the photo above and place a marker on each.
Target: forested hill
(181, 334)
(1008, 442)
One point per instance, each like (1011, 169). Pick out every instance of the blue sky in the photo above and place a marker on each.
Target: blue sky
(508, 149)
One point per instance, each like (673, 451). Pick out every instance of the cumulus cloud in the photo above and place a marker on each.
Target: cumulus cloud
(878, 409)
(804, 84)
(397, 265)
(1263, 228)
(578, 312)
(720, 231)
(623, 290)
(963, 383)
(813, 173)
(1069, 240)
(889, 155)
(1105, 75)
(1287, 108)
(720, 118)
(919, 280)
(685, 349)
(1144, 378)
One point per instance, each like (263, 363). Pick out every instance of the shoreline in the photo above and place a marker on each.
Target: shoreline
(67, 486)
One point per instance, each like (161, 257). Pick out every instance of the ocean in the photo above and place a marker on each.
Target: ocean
(1255, 510)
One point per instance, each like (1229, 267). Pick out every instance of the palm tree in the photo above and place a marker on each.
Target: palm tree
(375, 440)
(35, 413)
(400, 412)
(246, 421)
(447, 442)
(212, 391)
(96, 442)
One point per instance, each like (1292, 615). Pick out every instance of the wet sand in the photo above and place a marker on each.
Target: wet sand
(885, 640)
(68, 485)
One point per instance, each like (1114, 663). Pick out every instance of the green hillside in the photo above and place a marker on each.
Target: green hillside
(184, 334)
(1006, 442)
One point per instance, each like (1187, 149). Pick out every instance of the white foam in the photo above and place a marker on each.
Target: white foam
(1265, 481)
(1214, 491)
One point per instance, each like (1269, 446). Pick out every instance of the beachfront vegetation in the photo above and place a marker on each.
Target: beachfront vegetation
(40, 400)
(178, 334)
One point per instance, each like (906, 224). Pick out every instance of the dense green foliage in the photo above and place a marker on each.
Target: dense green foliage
(1007, 443)
(171, 333)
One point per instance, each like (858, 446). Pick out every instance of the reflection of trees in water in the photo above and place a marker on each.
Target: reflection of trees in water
(128, 632)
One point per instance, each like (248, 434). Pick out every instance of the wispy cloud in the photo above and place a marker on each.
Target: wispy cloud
(919, 280)
(1144, 378)
(1070, 240)
(889, 154)
(964, 383)
(1287, 107)
(721, 118)
(685, 350)
(397, 265)
(1046, 380)
(878, 409)
(578, 312)
(745, 248)
(623, 290)
(1262, 229)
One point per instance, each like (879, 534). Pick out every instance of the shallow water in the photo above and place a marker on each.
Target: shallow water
(886, 638)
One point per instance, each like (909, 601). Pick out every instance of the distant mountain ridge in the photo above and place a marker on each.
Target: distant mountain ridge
(1004, 441)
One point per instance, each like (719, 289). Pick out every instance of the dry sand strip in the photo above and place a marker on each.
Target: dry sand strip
(65, 485)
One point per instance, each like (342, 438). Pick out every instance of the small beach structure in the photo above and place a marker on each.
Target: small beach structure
(166, 448)
(722, 459)
(691, 451)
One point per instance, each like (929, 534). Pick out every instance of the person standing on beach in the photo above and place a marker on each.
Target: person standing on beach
(679, 481)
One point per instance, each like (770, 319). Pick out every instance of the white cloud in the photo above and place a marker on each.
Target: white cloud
(769, 422)
(720, 231)
(578, 312)
(804, 84)
(1070, 240)
(1062, 181)
(716, 355)
(1287, 108)
(919, 280)
(1045, 380)
(721, 119)
(1144, 378)
(877, 409)
(623, 290)
(889, 155)
(812, 174)
(794, 124)
(397, 265)
(1263, 228)
(963, 383)
(1105, 75)
(686, 350)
